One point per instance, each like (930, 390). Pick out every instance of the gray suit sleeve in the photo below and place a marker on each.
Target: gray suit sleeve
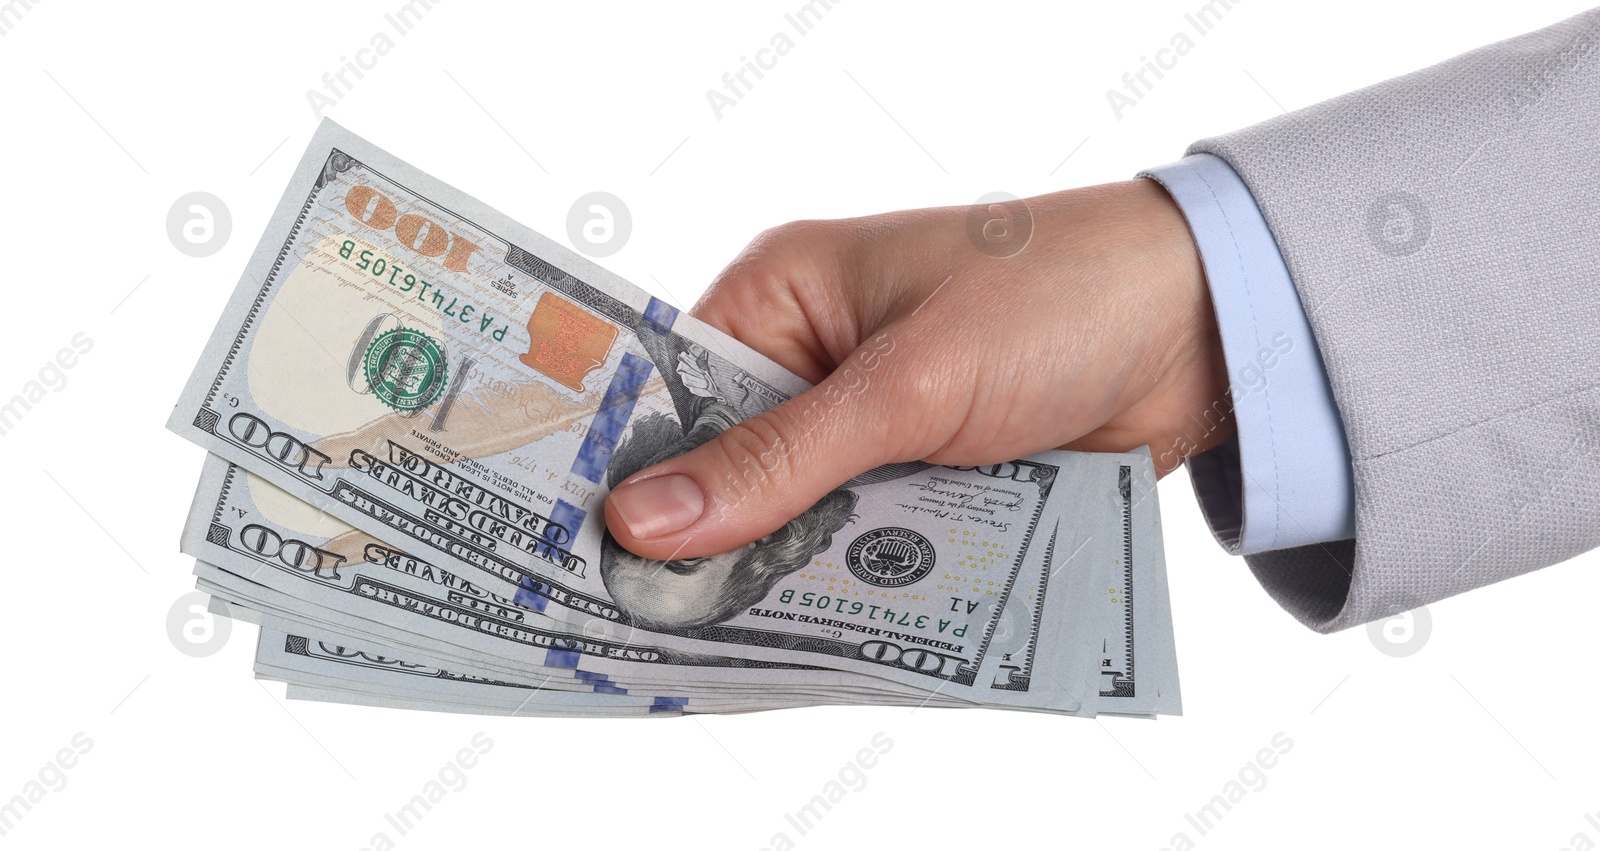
(1443, 232)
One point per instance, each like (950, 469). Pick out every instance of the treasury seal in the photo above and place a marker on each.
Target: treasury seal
(890, 557)
(405, 369)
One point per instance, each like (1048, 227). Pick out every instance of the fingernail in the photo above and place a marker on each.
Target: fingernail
(659, 506)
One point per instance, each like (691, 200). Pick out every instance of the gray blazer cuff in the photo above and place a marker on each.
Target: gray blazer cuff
(1443, 232)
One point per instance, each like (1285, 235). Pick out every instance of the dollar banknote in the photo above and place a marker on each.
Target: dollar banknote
(462, 393)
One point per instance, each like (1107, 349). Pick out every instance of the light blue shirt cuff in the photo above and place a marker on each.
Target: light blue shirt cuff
(1286, 480)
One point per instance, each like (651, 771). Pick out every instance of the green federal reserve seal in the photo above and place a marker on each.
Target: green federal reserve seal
(405, 369)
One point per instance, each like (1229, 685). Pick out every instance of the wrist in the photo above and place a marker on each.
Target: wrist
(1180, 386)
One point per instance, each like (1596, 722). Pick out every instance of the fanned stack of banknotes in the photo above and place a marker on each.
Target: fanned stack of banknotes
(415, 408)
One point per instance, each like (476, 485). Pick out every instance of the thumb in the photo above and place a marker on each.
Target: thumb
(757, 475)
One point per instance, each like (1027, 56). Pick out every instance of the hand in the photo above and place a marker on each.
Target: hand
(1098, 335)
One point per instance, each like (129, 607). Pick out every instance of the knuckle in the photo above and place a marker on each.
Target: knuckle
(757, 454)
(783, 268)
(767, 265)
(789, 234)
(803, 244)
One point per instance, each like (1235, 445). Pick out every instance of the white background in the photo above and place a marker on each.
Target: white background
(113, 110)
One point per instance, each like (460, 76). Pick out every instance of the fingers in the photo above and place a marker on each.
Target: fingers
(787, 295)
(755, 476)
